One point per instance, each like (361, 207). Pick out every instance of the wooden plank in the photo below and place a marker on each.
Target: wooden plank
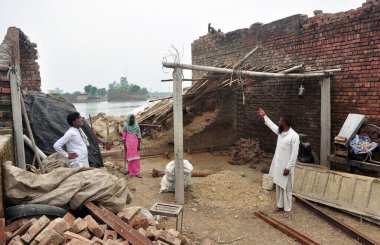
(349, 192)
(178, 136)
(123, 229)
(351, 126)
(325, 146)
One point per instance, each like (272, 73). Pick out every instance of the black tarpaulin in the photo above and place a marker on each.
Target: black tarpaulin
(47, 116)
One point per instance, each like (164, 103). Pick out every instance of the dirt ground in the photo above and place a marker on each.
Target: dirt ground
(229, 221)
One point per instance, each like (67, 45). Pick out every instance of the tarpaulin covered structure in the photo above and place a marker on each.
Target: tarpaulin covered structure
(47, 116)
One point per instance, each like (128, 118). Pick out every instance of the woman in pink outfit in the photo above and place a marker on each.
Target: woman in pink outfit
(132, 139)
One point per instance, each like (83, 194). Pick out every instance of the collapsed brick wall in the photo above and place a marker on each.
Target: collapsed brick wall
(30, 70)
(224, 127)
(17, 50)
(350, 40)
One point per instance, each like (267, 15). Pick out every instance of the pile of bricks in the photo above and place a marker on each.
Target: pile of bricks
(247, 151)
(78, 231)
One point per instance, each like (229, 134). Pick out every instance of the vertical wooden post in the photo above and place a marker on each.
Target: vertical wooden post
(178, 136)
(17, 119)
(325, 121)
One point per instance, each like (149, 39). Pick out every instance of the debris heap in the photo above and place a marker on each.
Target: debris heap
(87, 230)
(246, 151)
(228, 189)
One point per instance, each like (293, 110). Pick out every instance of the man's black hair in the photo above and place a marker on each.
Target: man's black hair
(71, 117)
(288, 120)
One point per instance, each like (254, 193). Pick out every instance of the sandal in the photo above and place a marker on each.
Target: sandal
(138, 176)
(288, 214)
(278, 210)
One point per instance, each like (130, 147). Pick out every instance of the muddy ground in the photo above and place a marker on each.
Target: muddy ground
(223, 224)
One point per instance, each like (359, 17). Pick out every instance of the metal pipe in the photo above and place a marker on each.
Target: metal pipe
(28, 142)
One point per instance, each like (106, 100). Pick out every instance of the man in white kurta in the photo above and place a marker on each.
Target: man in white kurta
(284, 160)
(75, 141)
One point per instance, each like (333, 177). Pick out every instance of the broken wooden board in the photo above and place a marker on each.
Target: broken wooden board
(351, 126)
(350, 192)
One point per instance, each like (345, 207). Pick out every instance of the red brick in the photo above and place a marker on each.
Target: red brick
(35, 229)
(77, 242)
(69, 218)
(138, 222)
(51, 237)
(178, 235)
(23, 228)
(5, 90)
(58, 225)
(85, 233)
(16, 225)
(97, 241)
(16, 241)
(79, 225)
(94, 227)
(4, 79)
(166, 237)
(69, 236)
(109, 235)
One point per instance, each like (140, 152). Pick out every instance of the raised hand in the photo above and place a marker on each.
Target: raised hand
(262, 112)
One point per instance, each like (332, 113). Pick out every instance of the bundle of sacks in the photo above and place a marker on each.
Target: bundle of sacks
(167, 182)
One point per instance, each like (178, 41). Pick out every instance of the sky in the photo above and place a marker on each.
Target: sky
(96, 42)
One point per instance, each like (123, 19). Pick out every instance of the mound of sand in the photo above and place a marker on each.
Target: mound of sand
(228, 189)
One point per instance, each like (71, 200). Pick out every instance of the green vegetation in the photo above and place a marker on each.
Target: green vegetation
(124, 86)
(115, 87)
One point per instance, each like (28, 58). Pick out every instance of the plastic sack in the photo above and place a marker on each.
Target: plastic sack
(168, 180)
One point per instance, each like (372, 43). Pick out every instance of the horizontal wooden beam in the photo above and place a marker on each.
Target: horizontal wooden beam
(247, 73)
(184, 80)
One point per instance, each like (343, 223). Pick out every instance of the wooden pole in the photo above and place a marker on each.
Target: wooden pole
(247, 73)
(246, 57)
(325, 121)
(294, 68)
(27, 124)
(89, 116)
(178, 136)
(17, 119)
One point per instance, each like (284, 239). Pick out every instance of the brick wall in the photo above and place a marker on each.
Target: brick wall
(350, 40)
(16, 49)
(224, 126)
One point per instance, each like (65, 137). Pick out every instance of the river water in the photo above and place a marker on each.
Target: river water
(110, 108)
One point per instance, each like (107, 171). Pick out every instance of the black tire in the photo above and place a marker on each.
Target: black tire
(25, 210)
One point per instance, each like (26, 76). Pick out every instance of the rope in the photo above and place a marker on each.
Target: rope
(14, 70)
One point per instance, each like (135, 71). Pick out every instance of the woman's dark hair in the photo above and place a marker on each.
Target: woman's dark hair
(72, 117)
(288, 120)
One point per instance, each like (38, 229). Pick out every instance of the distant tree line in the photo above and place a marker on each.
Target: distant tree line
(115, 87)
(124, 86)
